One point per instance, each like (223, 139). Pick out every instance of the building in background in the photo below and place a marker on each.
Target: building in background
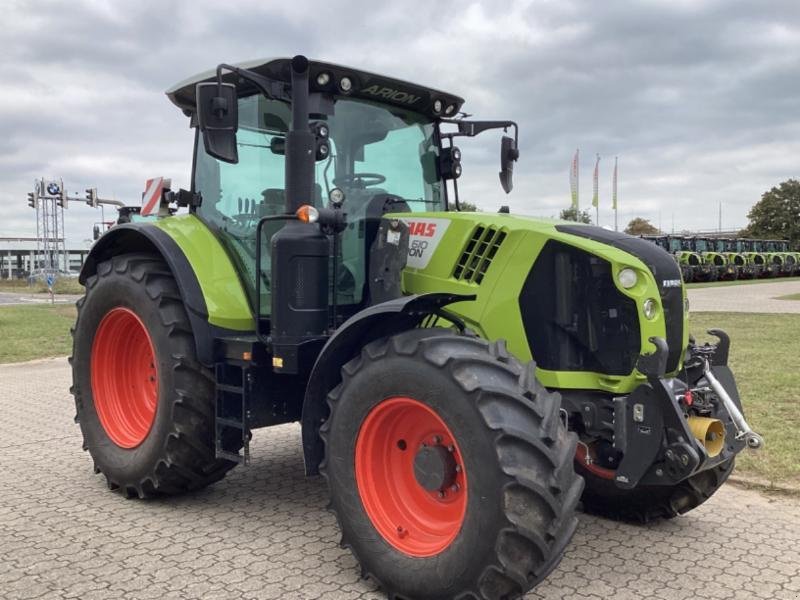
(18, 257)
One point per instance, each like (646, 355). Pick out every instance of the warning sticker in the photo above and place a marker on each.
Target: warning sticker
(423, 236)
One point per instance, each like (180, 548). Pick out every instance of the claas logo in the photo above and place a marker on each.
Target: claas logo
(422, 229)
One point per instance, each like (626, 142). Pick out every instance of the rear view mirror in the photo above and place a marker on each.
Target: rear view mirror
(508, 156)
(218, 119)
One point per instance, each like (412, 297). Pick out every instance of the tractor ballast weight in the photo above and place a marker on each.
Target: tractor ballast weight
(323, 276)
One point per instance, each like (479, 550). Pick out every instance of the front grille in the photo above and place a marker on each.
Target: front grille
(478, 253)
(663, 267)
(575, 318)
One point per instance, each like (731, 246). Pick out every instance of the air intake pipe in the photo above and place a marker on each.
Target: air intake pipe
(300, 251)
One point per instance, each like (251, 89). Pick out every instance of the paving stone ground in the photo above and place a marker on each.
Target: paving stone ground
(756, 297)
(263, 532)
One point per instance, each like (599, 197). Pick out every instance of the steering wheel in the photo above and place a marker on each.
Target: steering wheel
(359, 180)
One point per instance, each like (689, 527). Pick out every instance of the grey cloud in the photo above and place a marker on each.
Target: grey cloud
(699, 99)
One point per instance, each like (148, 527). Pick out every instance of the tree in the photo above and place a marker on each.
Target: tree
(777, 214)
(640, 226)
(570, 214)
(468, 206)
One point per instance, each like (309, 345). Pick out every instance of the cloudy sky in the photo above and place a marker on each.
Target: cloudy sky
(699, 99)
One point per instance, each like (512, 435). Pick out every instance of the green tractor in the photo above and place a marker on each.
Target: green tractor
(795, 254)
(719, 268)
(691, 263)
(784, 260)
(733, 250)
(773, 260)
(762, 267)
(673, 245)
(701, 269)
(324, 274)
(688, 262)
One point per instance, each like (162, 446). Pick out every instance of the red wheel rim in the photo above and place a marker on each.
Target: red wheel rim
(124, 377)
(414, 520)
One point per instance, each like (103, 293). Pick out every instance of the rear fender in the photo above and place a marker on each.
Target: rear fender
(380, 320)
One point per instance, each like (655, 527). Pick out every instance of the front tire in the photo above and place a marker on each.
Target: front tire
(644, 504)
(144, 403)
(449, 469)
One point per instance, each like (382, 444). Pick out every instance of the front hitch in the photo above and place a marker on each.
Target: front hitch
(668, 429)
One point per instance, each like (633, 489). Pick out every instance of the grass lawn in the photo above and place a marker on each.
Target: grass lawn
(789, 297)
(705, 284)
(764, 358)
(35, 331)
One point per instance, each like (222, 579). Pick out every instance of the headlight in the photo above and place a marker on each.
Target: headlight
(336, 196)
(627, 278)
(650, 307)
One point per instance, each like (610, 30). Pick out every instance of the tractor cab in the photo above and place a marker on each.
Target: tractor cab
(658, 240)
(379, 145)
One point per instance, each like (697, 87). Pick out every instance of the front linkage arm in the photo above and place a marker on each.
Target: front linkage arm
(708, 357)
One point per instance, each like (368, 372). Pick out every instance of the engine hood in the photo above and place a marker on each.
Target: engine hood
(492, 256)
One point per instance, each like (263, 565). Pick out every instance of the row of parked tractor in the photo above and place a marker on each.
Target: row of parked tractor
(715, 258)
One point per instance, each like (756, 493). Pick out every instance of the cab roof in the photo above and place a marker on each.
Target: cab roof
(368, 86)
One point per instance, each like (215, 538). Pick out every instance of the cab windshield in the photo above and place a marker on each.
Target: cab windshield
(377, 152)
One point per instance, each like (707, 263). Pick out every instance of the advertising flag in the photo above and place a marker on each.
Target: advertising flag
(614, 186)
(573, 179)
(595, 190)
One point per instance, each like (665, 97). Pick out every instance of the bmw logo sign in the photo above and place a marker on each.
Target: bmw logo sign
(53, 188)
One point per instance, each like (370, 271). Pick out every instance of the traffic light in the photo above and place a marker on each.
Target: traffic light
(61, 198)
(32, 199)
(91, 197)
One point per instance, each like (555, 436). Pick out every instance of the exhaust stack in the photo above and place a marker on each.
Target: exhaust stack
(300, 251)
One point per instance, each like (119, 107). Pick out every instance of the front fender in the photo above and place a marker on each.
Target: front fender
(208, 283)
(372, 323)
(144, 237)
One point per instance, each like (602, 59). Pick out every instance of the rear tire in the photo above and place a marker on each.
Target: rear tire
(519, 486)
(648, 503)
(168, 447)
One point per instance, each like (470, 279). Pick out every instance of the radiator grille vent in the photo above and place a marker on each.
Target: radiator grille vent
(478, 254)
